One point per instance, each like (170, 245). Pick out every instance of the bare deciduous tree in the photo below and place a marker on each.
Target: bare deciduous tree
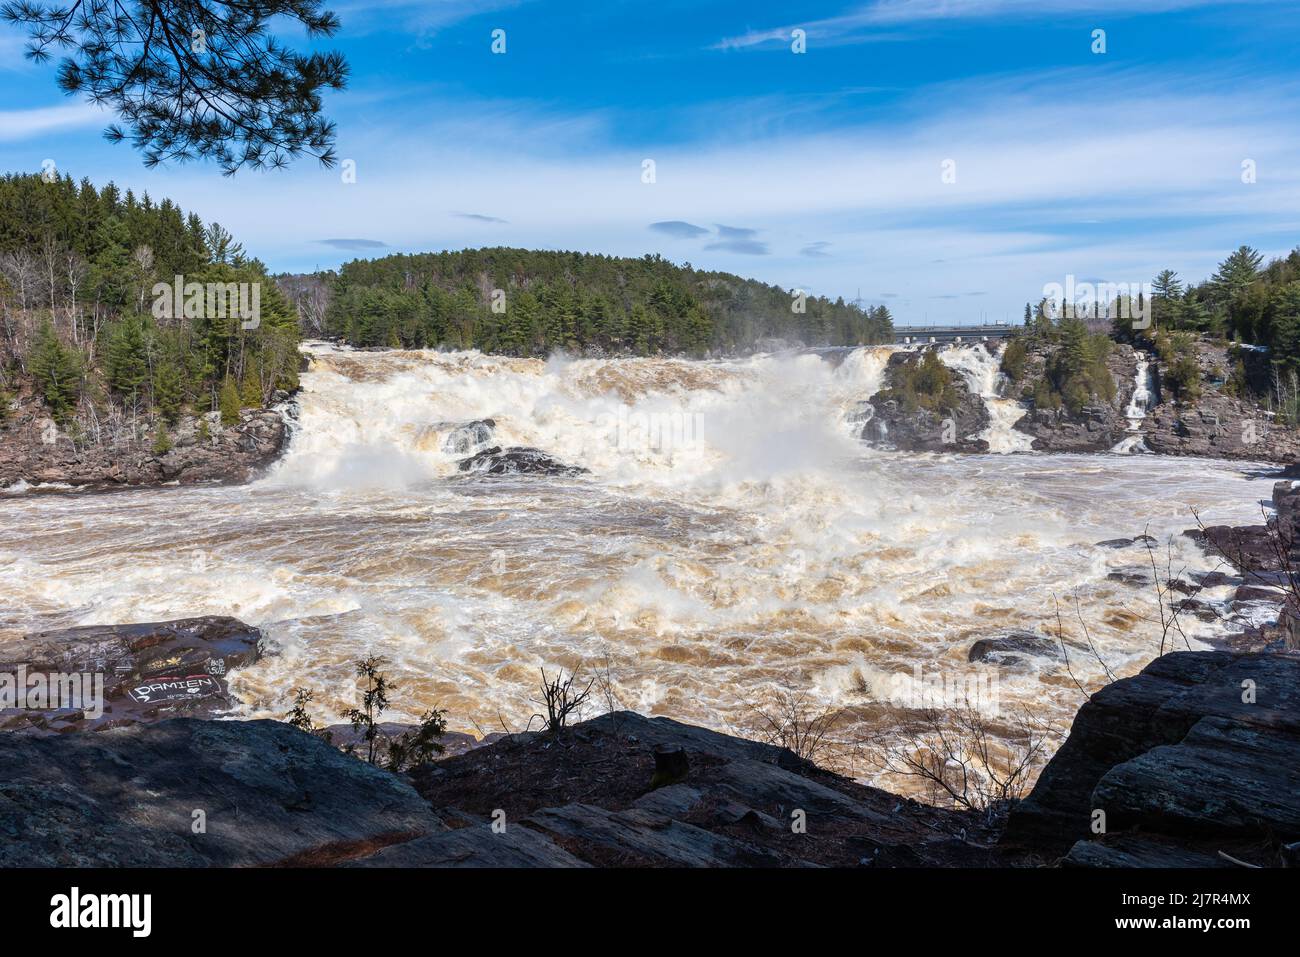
(794, 721)
(970, 759)
(561, 700)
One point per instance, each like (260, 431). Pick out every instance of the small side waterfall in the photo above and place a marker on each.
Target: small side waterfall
(1136, 413)
(982, 371)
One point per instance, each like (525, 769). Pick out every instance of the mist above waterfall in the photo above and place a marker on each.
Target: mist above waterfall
(732, 537)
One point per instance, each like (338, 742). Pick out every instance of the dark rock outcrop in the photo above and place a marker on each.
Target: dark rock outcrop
(1200, 753)
(587, 800)
(265, 794)
(1267, 558)
(1215, 425)
(1195, 756)
(517, 460)
(1013, 649)
(1220, 426)
(1098, 427)
(894, 425)
(1126, 542)
(148, 671)
(33, 451)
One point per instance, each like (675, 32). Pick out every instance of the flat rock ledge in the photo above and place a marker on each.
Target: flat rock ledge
(192, 793)
(1195, 758)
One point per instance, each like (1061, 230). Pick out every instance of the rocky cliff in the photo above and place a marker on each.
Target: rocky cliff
(1216, 424)
(1195, 758)
(897, 422)
(1098, 427)
(33, 451)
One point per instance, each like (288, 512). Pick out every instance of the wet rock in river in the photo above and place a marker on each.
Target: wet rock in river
(517, 460)
(1259, 593)
(1013, 648)
(468, 438)
(1202, 610)
(1125, 542)
(1136, 579)
(144, 672)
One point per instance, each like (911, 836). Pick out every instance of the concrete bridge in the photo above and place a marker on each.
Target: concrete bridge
(909, 335)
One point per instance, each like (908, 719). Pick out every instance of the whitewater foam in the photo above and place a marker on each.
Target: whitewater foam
(772, 550)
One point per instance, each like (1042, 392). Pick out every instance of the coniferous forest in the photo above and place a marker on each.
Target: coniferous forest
(533, 302)
(78, 265)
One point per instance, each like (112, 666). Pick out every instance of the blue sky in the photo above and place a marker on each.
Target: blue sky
(821, 170)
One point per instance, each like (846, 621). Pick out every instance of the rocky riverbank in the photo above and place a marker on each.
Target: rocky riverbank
(1214, 424)
(1226, 419)
(1195, 762)
(1191, 760)
(34, 452)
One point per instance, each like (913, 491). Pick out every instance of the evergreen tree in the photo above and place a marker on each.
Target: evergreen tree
(1166, 285)
(578, 300)
(250, 392)
(241, 97)
(127, 359)
(162, 443)
(1237, 272)
(229, 403)
(169, 392)
(57, 370)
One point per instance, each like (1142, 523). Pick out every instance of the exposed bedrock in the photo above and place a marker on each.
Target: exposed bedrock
(1097, 427)
(1220, 426)
(263, 791)
(1199, 754)
(35, 452)
(145, 672)
(517, 460)
(939, 422)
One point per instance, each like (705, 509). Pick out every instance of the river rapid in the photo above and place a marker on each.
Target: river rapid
(733, 541)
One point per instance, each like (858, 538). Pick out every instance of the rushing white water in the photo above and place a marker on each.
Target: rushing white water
(1136, 412)
(732, 540)
(982, 370)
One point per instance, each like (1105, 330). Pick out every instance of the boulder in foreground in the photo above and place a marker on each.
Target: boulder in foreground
(1196, 757)
(266, 793)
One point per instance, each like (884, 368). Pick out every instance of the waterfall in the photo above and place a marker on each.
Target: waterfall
(1136, 413)
(982, 371)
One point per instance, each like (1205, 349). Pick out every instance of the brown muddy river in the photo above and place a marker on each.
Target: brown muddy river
(731, 541)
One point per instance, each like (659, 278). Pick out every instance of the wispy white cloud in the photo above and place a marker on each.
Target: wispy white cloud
(875, 21)
(13, 47)
(1118, 175)
(43, 121)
